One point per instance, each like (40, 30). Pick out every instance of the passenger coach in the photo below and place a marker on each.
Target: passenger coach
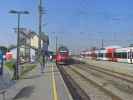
(124, 55)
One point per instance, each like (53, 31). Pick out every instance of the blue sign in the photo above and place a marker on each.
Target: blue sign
(1, 63)
(1, 56)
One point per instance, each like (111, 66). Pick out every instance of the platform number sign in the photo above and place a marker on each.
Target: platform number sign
(1, 63)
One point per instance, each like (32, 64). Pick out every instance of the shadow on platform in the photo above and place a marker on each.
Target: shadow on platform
(25, 92)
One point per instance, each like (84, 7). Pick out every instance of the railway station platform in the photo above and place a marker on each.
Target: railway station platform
(124, 68)
(40, 86)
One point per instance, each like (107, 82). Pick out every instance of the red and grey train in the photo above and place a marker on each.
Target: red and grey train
(111, 54)
(62, 55)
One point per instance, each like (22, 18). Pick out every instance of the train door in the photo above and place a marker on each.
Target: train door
(130, 56)
(110, 54)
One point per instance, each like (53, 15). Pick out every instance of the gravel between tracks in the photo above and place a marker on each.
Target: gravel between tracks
(114, 66)
(93, 92)
(115, 85)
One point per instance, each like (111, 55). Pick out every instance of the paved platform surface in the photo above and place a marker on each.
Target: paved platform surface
(38, 86)
(5, 80)
(115, 66)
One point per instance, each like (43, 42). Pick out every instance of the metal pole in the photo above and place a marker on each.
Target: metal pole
(18, 50)
(25, 50)
(56, 42)
(29, 53)
(18, 13)
(40, 10)
(40, 26)
(102, 44)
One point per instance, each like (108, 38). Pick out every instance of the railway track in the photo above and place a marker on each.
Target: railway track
(116, 83)
(125, 77)
(101, 88)
(88, 87)
(74, 88)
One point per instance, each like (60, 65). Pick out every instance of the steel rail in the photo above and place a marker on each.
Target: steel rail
(111, 94)
(109, 72)
(77, 92)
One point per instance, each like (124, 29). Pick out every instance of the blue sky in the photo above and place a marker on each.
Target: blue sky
(77, 23)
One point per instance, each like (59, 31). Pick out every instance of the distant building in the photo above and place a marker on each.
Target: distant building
(29, 44)
(34, 41)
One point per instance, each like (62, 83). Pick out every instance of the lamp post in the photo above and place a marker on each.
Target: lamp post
(18, 13)
(56, 41)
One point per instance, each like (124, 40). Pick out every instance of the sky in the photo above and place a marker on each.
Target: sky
(78, 24)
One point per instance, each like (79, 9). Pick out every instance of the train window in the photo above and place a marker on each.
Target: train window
(100, 54)
(63, 53)
(109, 55)
(123, 54)
(103, 55)
(118, 55)
(115, 55)
(130, 55)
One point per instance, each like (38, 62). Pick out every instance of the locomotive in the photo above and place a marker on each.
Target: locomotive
(62, 55)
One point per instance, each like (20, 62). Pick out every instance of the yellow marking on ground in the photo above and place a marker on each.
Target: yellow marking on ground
(55, 95)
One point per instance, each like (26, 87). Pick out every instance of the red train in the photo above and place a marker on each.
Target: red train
(62, 55)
